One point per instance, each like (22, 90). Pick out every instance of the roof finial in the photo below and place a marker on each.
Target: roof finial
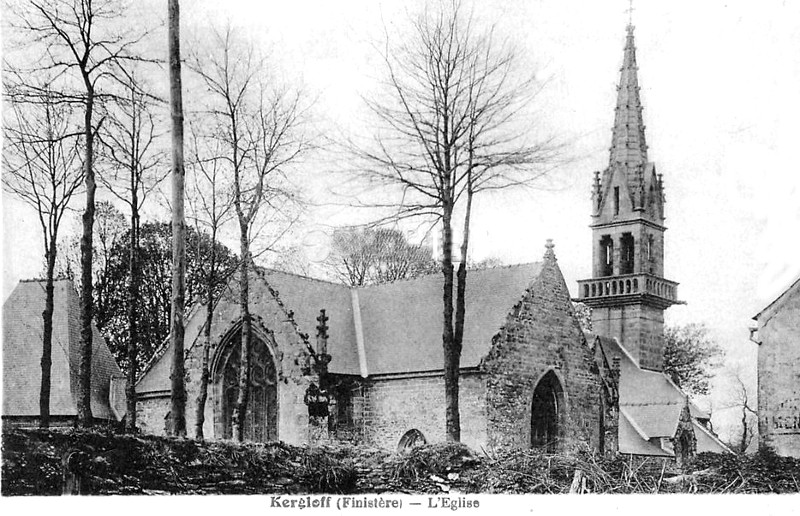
(549, 254)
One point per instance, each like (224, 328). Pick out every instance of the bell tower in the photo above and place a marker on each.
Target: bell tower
(628, 292)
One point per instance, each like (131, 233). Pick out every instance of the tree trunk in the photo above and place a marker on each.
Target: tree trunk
(47, 337)
(133, 296)
(240, 409)
(451, 356)
(205, 374)
(743, 443)
(84, 404)
(178, 409)
(461, 294)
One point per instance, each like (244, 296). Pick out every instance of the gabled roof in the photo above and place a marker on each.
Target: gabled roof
(650, 405)
(393, 328)
(778, 302)
(402, 321)
(22, 353)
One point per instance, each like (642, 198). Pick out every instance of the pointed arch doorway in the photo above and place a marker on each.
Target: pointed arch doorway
(547, 413)
(261, 416)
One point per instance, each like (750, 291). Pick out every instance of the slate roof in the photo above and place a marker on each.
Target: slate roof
(400, 323)
(650, 406)
(22, 344)
(305, 297)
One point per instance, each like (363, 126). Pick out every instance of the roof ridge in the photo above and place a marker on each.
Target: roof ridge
(430, 274)
(270, 270)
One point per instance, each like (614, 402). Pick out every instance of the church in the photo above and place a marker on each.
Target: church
(530, 376)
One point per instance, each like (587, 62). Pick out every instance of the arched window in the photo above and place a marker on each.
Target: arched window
(547, 413)
(261, 415)
(411, 440)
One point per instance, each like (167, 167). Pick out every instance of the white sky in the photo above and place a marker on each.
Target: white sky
(721, 88)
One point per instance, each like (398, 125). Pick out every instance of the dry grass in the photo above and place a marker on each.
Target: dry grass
(118, 464)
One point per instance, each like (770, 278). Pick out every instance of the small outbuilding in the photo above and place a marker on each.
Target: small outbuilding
(22, 354)
(778, 337)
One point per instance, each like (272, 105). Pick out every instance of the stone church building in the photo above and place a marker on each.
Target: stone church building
(529, 375)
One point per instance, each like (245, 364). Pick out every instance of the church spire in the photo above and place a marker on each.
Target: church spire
(628, 146)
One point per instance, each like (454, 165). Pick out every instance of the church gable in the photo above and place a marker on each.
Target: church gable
(541, 354)
(267, 310)
(279, 372)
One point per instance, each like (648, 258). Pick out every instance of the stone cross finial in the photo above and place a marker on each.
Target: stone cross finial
(549, 254)
(630, 10)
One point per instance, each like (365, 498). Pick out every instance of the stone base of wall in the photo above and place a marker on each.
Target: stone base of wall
(398, 405)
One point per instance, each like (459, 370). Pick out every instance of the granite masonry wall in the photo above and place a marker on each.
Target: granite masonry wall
(540, 336)
(393, 406)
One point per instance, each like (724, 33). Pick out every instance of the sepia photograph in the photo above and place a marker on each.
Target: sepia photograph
(400, 255)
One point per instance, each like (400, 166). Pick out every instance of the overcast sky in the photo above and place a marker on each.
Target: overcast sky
(721, 88)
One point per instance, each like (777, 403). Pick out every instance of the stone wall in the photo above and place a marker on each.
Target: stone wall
(393, 406)
(151, 412)
(638, 327)
(779, 376)
(542, 335)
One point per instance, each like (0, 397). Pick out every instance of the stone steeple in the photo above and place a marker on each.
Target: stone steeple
(628, 293)
(628, 145)
(640, 186)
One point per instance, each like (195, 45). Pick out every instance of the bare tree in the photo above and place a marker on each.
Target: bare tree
(109, 228)
(260, 129)
(41, 158)
(210, 207)
(178, 397)
(452, 126)
(82, 42)
(741, 399)
(129, 140)
(372, 256)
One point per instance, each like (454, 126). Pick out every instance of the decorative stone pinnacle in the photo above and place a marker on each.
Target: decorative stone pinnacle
(322, 333)
(322, 327)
